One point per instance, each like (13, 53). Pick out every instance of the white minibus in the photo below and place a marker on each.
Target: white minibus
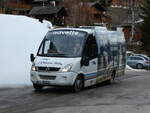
(78, 58)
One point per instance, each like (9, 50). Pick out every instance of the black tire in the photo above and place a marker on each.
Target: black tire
(78, 85)
(139, 66)
(111, 80)
(37, 87)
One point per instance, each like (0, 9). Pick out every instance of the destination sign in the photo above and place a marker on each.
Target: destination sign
(65, 33)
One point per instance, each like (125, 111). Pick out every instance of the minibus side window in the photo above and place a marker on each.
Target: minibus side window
(91, 48)
(41, 50)
(46, 48)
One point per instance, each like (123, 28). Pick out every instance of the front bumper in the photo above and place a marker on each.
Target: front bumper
(59, 78)
(147, 66)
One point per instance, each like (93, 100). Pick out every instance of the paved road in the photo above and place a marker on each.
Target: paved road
(130, 94)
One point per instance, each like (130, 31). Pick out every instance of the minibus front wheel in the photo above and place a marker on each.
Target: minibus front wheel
(78, 84)
(37, 87)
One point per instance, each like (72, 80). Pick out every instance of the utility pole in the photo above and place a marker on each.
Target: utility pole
(133, 20)
(43, 4)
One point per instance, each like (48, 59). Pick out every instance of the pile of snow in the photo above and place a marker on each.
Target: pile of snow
(19, 36)
(47, 24)
(128, 68)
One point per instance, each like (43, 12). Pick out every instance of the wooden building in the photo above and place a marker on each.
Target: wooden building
(100, 13)
(20, 7)
(121, 16)
(55, 14)
(49, 10)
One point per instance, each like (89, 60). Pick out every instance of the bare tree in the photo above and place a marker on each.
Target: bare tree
(79, 12)
(2, 5)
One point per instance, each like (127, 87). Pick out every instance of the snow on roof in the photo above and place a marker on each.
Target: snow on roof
(45, 10)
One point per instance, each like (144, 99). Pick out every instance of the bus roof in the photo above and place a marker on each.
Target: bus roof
(91, 30)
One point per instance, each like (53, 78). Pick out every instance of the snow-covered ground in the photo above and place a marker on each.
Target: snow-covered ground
(19, 36)
(128, 68)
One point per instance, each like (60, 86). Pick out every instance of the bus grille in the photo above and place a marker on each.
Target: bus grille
(45, 77)
(47, 69)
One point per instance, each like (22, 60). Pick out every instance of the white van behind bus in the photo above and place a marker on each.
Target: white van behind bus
(78, 58)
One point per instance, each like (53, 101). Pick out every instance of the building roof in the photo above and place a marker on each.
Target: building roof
(45, 0)
(97, 6)
(40, 0)
(20, 9)
(45, 10)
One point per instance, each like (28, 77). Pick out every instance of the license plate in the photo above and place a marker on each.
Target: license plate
(45, 82)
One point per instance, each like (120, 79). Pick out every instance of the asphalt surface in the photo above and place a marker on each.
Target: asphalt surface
(129, 94)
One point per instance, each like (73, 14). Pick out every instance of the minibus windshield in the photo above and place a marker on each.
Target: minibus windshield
(64, 43)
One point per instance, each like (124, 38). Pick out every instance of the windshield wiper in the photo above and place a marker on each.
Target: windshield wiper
(55, 55)
(61, 55)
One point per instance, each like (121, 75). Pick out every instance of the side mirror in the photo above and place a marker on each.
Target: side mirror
(32, 57)
(85, 61)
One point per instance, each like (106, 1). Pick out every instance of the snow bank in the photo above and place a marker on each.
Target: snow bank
(47, 24)
(128, 68)
(19, 36)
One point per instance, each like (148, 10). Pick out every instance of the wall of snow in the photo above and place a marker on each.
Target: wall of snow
(19, 36)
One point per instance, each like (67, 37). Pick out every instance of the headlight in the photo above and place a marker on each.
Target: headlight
(34, 68)
(67, 68)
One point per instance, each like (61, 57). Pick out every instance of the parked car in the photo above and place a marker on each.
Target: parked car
(129, 53)
(142, 55)
(138, 62)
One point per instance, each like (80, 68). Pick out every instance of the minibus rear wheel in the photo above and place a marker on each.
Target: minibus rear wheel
(37, 87)
(79, 84)
(112, 77)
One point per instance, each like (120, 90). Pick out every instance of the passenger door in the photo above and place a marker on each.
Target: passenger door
(90, 52)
